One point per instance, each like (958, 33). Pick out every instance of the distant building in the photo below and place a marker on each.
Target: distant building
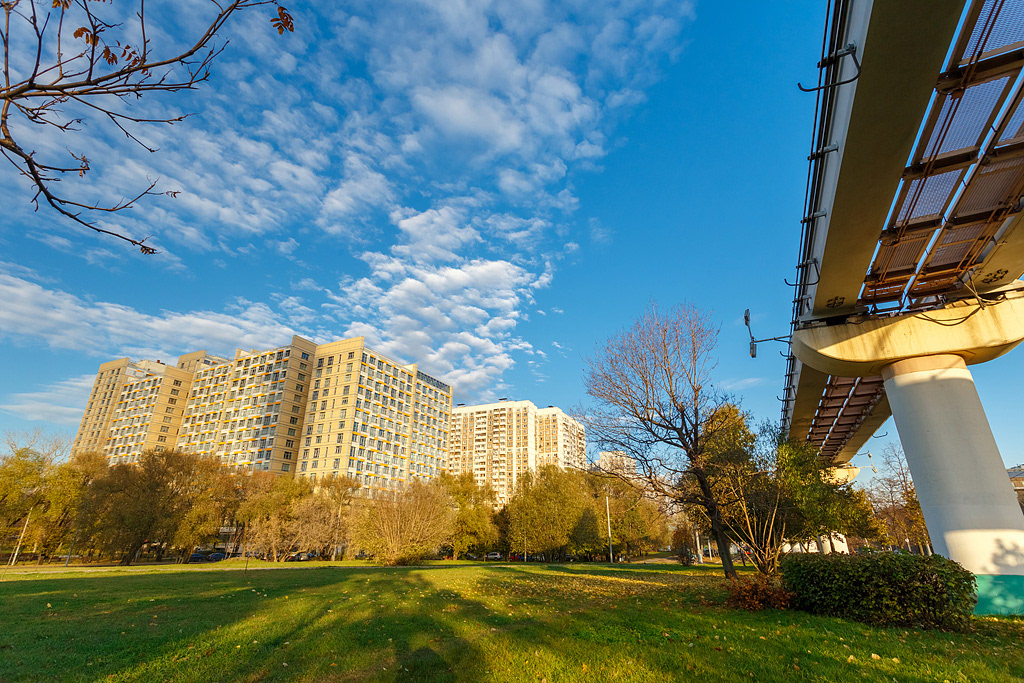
(616, 462)
(500, 442)
(302, 409)
(1017, 477)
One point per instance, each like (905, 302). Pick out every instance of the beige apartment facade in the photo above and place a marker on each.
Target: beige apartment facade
(94, 428)
(134, 406)
(500, 442)
(302, 409)
(375, 419)
(247, 413)
(616, 462)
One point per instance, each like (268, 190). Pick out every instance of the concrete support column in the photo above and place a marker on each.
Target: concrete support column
(968, 503)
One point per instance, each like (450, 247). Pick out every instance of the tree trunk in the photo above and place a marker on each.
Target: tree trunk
(722, 541)
(126, 560)
(717, 528)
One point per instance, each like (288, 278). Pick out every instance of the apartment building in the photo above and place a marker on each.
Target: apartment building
(136, 405)
(561, 440)
(616, 462)
(380, 421)
(248, 412)
(500, 442)
(94, 428)
(302, 409)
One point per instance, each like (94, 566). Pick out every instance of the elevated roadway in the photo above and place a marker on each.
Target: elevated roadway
(911, 254)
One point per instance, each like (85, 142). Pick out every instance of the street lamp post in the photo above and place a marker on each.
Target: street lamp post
(608, 517)
(17, 548)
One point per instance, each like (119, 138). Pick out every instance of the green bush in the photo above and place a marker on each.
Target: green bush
(883, 588)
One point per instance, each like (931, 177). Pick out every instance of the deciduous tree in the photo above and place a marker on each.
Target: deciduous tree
(403, 527)
(654, 398)
(154, 501)
(474, 527)
(895, 503)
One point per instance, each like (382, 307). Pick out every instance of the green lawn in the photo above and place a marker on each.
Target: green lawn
(468, 622)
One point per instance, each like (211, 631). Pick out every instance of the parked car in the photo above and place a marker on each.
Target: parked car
(493, 555)
(215, 557)
(297, 557)
(197, 557)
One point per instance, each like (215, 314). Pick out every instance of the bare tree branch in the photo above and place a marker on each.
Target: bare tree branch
(107, 68)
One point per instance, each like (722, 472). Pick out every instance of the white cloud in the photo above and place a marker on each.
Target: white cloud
(744, 383)
(61, 403)
(446, 156)
(284, 247)
(63, 320)
(360, 188)
(432, 235)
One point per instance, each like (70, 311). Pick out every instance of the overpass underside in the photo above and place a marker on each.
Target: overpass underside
(913, 237)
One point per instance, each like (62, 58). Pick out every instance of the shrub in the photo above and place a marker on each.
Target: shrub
(757, 593)
(884, 588)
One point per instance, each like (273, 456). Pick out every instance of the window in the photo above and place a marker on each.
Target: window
(337, 463)
(285, 467)
(302, 467)
(289, 443)
(287, 455)
(305, 356)
(161, 439)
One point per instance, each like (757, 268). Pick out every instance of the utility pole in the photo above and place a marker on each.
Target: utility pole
(337, 528)
(608, 517)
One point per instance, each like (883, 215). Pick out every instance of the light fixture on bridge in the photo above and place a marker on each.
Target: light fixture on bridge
(755, 342)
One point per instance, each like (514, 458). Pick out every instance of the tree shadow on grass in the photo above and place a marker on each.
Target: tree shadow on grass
(367, 623)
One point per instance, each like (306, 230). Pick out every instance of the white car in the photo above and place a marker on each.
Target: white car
(493, 555)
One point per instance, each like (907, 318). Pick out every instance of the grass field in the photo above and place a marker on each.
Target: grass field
(461, 622)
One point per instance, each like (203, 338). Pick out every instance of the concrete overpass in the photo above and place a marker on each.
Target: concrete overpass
(911, 252)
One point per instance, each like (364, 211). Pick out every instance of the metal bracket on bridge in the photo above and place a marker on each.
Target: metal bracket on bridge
(850, 50)
(834, 147)
(813, 217)
(817, 271)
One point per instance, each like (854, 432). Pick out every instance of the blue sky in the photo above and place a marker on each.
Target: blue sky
(489, 189)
